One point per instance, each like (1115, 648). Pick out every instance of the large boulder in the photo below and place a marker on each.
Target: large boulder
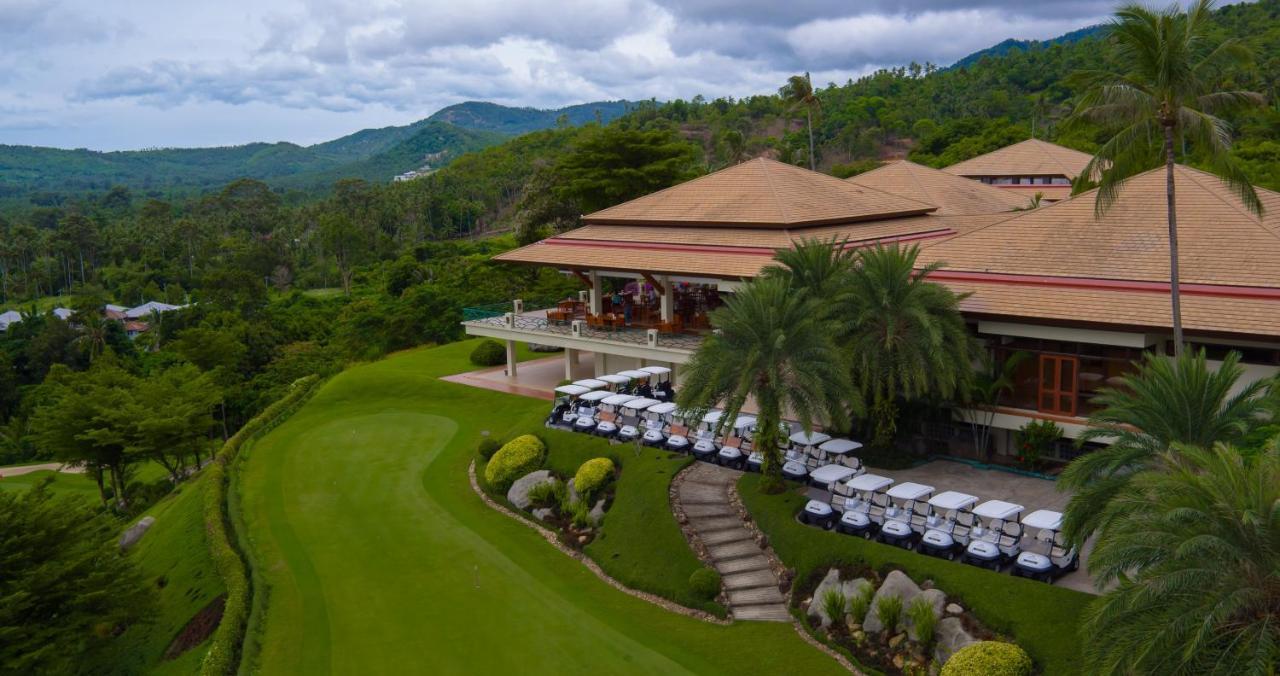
(135, 532)
(897, 584)
(518, 494)
(937, 599)
(854, 588)
(948, 638)
(817, 607)
(597, 512)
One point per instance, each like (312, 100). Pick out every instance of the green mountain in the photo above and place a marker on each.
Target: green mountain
(515, 121)
(1003, 48)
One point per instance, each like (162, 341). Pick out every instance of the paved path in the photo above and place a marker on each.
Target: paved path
(51, 466)
(750, 585)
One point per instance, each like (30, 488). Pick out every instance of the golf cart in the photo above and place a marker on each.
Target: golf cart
(678, 432)
(995, 535)
(607, 419)
(660, 382)
(630, 419)
(639, 383)
(731, 453)
(842, 465)
(906, 506)
(587, 406)
(656, 419)
(1055, 558)
(864, 504)
(704, 446)
(818, 513)
(616, 382)
(564, 410)
(948, 524)
(801, 459)
(755, 459)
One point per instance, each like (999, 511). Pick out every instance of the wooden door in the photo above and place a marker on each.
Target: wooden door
(1058, 376)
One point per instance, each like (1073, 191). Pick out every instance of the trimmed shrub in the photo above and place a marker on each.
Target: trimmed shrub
(488, 446)
(489, 353)
(889, 610)
(988, 658)
(592, 476)
(515, 459)
(705, 582)
(923, 620)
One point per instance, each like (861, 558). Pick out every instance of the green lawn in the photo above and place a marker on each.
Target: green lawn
(381, 559)
(70, 484)
(1042, 618)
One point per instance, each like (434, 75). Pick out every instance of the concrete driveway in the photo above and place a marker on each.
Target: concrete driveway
(987, 484)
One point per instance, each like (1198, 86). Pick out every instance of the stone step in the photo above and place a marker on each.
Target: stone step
(751, 597)
(750, 580)
(733, 550)
(738, 534)
(732, 566)
(707, 525)
(705, 482)
(702, 494)
(700, 510)
(772, 612)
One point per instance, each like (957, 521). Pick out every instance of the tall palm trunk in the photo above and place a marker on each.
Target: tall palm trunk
(1174, 293)
(809, 112)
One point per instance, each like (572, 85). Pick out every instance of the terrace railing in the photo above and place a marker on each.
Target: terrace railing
(535, 321)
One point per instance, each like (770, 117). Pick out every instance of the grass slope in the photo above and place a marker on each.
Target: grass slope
(1042, 618)
(380, 558)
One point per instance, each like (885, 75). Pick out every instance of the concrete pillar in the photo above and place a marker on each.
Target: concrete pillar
(667, 309)
(601, 363)
(511, 359)
(573, 356)
(570, 359)
(596, 291)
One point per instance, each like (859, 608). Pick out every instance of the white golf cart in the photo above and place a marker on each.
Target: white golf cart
(678, 431)
(995, 536)
(904, 517)
(704, 445)
(639, 384)
(630, 420)
(947, 526)
(803, 456)
(565, 410)
(1054, 558)
(732, 453)
(755, 459)
(616, 381)
(587, 406)
(660, 382)
(865, 500)
(841, 463)
(656, 420)
(607, 423)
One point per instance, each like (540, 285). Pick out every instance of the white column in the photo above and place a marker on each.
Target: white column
(596, 305)
(668, 307)
(511, 359)
(570, 358)
(600, 363)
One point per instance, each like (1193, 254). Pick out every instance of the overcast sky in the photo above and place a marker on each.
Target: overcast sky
(122, 74)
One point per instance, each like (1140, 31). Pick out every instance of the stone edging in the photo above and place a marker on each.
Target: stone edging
(585, 560)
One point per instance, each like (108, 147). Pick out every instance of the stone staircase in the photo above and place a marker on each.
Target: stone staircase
(750, 585)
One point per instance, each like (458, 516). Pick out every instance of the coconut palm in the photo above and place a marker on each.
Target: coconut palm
(799, 92)
(818, 267)
(1195, 552)
(775, 345)
(1166, 93)
(1166, 402)
(904, 334)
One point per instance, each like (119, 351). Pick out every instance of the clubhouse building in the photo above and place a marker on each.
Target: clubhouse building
(1084, 295)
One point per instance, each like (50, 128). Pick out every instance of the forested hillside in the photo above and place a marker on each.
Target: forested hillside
(507, 120)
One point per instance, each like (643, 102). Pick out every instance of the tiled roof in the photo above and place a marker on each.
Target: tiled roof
(1032, 157)
(1049, 193)
(1219, 241)
(760, 193)
(953, 195)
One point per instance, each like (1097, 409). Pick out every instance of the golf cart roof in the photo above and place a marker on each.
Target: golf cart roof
(713, 416)
(573, 390)
(656, 370)
(809, 438)
(1043, 519)
(590, 383)
(618, 399)
(640, 404)
(596, 395)
(663, 408)
(910, 491)
(616, 379)
(634, 375)
(840, 446)
(869, 482)
(828, 474)
(744, 421)
(953, 500)
(997, 509)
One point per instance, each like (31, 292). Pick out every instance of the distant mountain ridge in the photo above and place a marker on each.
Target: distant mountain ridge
(507, 120)
(1002, 48)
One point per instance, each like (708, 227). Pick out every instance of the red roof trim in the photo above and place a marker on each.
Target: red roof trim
(746, 250)
(1218, 290)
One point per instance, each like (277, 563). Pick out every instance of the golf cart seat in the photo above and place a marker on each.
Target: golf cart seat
(606, 423)
(879, 503)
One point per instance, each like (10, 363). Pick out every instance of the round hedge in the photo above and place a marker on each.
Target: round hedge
(489, 353)
(705, 582)
(488, 446)
(988, 658)
(593, 475)
(515, 459)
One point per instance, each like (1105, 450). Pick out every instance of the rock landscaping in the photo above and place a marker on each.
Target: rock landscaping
(573, 506)
(889, 622)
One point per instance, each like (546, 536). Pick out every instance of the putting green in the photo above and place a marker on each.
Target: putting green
(380, 558)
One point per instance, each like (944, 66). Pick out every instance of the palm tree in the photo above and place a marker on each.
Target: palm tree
(1167, 93)
(775, 345)
(904, 334)
(818, 267)
(1195, 552)
(986, 392)
(799, 92)
(1166, 402)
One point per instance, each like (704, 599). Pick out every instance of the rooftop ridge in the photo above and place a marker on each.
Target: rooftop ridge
(773, 189)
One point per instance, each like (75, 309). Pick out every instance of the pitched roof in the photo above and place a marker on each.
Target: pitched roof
(760, 193)
(148, 307)
(953, 195)
(1220, 242)
(1032, 157)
